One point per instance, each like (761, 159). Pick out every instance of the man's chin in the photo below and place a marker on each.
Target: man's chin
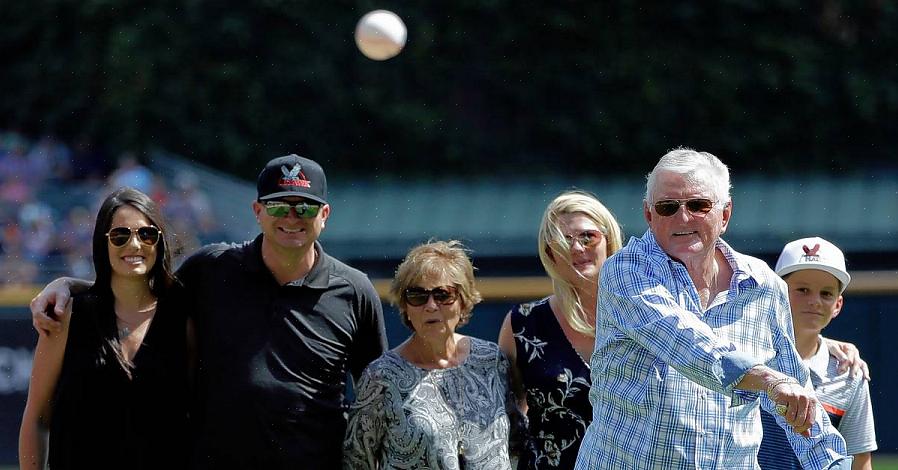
(292, 241)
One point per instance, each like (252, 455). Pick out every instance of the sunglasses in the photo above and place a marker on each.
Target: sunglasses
(697, 207)
(120, 236)
(418, 296)
(586, 238)
(303, 209)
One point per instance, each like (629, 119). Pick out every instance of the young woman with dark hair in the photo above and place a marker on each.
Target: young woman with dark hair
(110, 389)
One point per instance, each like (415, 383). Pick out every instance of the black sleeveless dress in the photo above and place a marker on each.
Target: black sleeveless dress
(557, 382)
(101, 418)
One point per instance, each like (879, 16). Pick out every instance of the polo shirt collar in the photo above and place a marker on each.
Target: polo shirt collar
(819, 362)
(320, 275)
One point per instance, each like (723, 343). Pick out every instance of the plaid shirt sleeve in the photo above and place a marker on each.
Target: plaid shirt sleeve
(644, 308)
(665, 367)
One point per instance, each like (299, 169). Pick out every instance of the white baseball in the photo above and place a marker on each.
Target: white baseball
(380, 35)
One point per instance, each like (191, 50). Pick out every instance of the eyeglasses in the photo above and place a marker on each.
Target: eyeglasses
(418, 296)
(586, 238)
(697, 207)
(120, 236)
(282, 208)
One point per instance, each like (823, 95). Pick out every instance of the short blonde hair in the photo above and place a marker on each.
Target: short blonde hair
(551, 238)
(436, 259)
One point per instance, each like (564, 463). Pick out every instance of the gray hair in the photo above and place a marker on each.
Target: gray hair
(699, 168)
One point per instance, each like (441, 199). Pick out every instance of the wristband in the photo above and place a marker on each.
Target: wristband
(780, 381)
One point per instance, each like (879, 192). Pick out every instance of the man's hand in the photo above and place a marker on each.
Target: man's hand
(794, 403)
(848, 356)
(49, 305)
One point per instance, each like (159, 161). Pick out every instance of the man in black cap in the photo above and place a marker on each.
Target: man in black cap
(279, 323)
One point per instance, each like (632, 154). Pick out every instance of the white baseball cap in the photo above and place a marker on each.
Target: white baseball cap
(813, 253)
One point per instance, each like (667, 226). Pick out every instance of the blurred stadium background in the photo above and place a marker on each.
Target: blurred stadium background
(490, 111)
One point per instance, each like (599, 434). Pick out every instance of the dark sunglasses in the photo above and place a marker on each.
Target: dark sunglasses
(120, 236)
(586, 238)
(281, 209)
(417, 296)
(669, 207)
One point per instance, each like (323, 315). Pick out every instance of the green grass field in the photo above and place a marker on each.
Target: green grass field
(885, 462)
(880, 462)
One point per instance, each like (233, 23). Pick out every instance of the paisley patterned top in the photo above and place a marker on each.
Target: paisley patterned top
(408, 417)
(557, 383)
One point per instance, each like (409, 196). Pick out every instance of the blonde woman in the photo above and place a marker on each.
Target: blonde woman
(549, 341)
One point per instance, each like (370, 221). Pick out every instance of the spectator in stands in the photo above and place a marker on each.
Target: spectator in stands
(279, 325)
(440, 399)
(16, 180)
(15, 166)
(131, 173)
(36, 220)
(52, 157)
(192, 210)
(110, 387)
(549, 341)
(16, 269)
(814, 271)
(11, 139)
(73, 242)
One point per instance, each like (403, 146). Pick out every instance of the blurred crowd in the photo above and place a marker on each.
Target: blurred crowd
(50, 191)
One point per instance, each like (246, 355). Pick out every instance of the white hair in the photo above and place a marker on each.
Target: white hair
(701, 169)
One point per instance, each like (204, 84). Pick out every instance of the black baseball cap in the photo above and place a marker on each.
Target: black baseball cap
(292, 175)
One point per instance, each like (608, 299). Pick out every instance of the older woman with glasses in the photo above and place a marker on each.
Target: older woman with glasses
(549, 341)
(440, 399)
(110, 388)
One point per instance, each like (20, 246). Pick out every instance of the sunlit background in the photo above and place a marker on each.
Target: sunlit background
(492, 109)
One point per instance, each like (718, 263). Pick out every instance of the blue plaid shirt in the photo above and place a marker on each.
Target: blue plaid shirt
(664, 369)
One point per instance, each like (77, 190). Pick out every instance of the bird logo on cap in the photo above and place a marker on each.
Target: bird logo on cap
(294, 177)
(810, 254)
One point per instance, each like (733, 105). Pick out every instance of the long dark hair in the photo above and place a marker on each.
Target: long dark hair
(160, 276)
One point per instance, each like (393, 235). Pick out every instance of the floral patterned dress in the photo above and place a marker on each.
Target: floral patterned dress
(557, 383)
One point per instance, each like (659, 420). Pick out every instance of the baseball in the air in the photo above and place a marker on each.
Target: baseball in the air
(380, 35)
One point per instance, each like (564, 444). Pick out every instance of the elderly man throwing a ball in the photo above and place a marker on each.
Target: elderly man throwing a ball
(684, 329)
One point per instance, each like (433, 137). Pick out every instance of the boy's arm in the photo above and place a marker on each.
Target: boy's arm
(856, 424)
(862, 461)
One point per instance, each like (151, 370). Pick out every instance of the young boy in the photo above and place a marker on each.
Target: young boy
(814, 270)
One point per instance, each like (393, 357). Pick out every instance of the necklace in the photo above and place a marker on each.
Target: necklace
(125, 328)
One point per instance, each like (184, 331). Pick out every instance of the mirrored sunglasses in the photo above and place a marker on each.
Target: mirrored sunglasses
(669, 207)
(281, 209)
(120, 236)
(417, 296)
(586, 238)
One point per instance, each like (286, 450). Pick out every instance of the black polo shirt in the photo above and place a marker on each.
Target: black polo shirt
(272, 359)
